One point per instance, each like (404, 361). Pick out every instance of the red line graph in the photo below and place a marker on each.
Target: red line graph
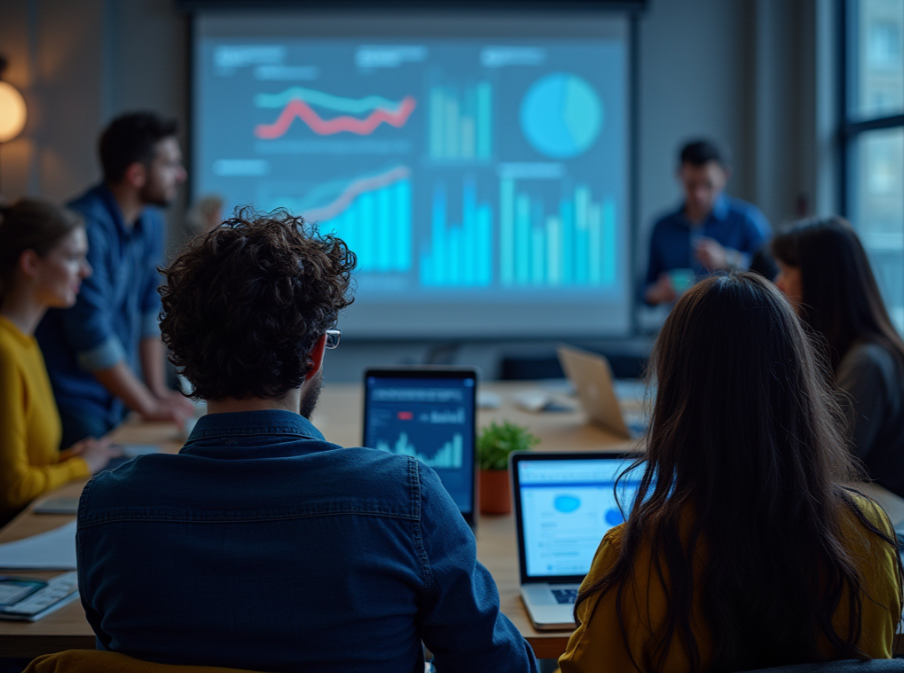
(325, 127)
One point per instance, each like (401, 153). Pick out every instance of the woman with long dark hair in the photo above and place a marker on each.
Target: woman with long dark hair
(826, 274)
(742, 549)
(42, 264)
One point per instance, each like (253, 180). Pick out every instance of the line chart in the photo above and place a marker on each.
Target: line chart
(321, 99)
(350, 191)
(297, 108)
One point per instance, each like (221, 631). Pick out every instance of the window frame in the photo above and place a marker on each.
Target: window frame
(850, 131)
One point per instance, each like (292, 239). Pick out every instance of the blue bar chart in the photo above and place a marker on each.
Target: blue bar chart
(461, 122)
(571, 243)
(458, 255)
(449, 456)
(377, 227)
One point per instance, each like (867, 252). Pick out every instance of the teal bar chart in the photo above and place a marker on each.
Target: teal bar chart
(461, 122)
(458, 255)
(574, 245)
(372, 213)
(377, 227)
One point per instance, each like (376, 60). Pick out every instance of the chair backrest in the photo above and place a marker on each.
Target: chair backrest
(846, 666)
(98, 661)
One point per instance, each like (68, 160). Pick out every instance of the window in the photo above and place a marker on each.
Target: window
(873, 133)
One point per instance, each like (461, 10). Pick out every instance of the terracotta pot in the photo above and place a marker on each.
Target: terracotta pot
(495, 491)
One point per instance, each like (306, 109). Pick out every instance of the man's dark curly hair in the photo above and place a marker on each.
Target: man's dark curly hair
(244, 304)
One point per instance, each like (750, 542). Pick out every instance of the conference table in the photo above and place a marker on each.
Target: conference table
(338, 416)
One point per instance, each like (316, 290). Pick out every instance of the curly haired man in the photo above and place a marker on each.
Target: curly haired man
(260, 545)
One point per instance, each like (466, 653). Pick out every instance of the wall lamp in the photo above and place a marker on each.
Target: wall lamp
(13, 113)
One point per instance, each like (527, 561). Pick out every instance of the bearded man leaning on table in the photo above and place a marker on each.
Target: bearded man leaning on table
(260, 545)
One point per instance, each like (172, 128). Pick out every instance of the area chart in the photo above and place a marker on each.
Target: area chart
(449, 456)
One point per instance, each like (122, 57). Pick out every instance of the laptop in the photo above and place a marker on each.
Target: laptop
(428, 413)
(592, 379)
(564, 504)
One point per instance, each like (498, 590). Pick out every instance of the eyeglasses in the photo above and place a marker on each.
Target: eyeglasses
(332, 338)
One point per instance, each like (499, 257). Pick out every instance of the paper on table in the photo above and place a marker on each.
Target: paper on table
(53, 550)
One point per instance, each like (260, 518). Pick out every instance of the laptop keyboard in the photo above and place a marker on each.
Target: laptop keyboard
(565, 596)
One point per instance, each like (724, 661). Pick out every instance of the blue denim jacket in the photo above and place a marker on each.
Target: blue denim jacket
(262, 546)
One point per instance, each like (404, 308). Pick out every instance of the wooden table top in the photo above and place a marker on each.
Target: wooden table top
(338, 416)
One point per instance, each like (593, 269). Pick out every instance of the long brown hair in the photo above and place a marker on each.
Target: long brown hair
(742, 474)
(30, 224)
(841, 299)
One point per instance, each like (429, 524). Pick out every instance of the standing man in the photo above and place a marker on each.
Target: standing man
(104, 355)
(710, 231)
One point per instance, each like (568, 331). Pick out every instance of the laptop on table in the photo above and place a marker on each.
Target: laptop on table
(428, 413)
(564, 505)
(591, 376)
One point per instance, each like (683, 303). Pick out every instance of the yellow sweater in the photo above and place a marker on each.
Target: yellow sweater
(597, 645)
(29, 425)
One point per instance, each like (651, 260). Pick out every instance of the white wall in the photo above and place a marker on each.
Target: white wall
(740, 71)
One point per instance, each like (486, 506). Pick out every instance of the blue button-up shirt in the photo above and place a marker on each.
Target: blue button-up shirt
(117, 306)
(733, 223)
(261, 546)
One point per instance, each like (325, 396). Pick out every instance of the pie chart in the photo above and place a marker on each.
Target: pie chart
(561, 115)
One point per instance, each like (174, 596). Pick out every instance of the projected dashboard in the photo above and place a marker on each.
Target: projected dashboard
(476, 178)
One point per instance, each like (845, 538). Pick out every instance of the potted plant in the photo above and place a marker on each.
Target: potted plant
(494, 445)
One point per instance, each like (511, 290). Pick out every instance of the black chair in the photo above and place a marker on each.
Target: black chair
(525, 368)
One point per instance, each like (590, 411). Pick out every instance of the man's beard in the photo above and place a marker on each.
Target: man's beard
(153, 195)
(311, 395)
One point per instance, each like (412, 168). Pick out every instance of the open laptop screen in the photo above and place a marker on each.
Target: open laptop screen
(428, 414)
(565, 506)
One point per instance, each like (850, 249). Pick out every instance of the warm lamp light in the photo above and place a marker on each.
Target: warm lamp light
(12, 112)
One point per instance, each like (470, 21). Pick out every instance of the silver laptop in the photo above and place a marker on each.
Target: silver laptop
(592, 379)
(564, 504)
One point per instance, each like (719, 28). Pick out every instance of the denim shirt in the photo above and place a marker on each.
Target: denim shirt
(116, 308)
(733, 223)
(261, 546)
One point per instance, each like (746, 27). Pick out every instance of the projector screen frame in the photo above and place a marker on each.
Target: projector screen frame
(629, 10)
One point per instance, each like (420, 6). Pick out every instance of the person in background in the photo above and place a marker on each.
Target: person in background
(335, 559)
(743, 549)
(42, 265)
(104, 355)
(709, 232)
(205, 214)
(826, 274)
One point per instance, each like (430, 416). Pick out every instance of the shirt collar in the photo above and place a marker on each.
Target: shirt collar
(268, 422)
(113, 206)
(719, 212)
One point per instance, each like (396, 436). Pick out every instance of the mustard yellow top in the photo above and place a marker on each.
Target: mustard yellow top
(597, 645)
(30, 427)
(99, 661)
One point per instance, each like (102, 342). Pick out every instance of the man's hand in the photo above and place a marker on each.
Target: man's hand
(172, 408)
(95, 452)
(663, 292)
(712, 255)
